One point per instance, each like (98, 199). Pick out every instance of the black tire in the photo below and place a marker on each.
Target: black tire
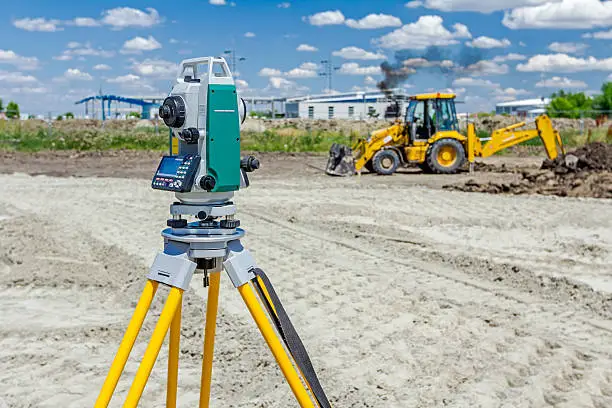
(424, 167)
(385, 162)
(435, 157)
(369, 167)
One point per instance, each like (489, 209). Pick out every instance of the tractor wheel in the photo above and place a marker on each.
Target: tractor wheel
(385, 162)
(446, 156)
(369, 167)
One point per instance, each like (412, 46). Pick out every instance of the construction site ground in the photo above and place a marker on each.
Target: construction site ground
(406, 294)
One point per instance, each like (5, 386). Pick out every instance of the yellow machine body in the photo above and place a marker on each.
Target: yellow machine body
(442, 150)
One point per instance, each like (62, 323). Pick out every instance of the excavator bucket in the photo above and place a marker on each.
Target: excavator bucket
(341, 161)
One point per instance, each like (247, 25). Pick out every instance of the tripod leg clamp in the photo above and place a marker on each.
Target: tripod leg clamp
(239, 264)
(172, 270)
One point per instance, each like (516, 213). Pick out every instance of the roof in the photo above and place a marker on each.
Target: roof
(422, 97)
(348, 97)
(541, 102)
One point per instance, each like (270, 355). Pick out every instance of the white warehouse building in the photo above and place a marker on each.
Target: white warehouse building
(527, 108)
(351, 105)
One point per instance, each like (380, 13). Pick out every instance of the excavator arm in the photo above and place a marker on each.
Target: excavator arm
(512, 135)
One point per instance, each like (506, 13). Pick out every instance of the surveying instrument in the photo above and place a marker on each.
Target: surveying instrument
(204, 169)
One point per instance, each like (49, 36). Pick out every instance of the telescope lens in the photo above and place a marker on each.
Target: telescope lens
(172, 111)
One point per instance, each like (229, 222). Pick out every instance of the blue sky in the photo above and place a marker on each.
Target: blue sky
(53, 53)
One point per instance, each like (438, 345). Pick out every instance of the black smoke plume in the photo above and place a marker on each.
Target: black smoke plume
(433, 60)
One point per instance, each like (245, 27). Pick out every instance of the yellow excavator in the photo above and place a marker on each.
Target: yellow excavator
(429, 137)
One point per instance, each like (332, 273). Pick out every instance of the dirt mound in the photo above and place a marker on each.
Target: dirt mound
(584, 172)
(592, 157)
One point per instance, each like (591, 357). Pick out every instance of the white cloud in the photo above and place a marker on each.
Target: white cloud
(600, 35)
(326, 18)
(139, 44)
(372, 21)
(16, 78)
(83, 50)
(567, 48)
(38, 24)
(77, 75)
(241, 84)
(301, 73)
(488, 43)
(561, 14)
(357, 53)
(218, 2)
(270, 72)
(564, 63)
(30, 90)
(249, 34)
(125, 79)
(427, 31)
(10, 57)
(307, 48)
(283, 85)
(558, 82)
(481, 6)
(414, 4)
(101, 67)
(122, 17)
(509, 57)
(482, 83)
(85, 22)
(368, 80)
(353, 68)
(284, 5)
(486, 67)
(510, 92)
(309, 65)
(155, 68)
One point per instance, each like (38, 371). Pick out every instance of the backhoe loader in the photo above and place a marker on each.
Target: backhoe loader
(429, 137)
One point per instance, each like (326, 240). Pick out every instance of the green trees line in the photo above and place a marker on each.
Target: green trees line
(577, 105)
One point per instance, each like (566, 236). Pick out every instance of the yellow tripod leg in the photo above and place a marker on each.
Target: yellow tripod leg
(129, 338)
(173, 358)
(157, 339)
(283, 360)
(212, 305)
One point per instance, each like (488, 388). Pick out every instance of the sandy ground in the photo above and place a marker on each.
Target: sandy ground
(405, 295)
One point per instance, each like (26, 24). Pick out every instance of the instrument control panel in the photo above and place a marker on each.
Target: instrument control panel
(176, 173)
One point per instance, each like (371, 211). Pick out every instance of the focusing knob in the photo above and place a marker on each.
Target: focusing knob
(208, 183)
(249, 164)
(172, 111)
(190, 135)
(176, 223)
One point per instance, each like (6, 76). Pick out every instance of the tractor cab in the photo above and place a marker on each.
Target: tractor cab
(428, 114)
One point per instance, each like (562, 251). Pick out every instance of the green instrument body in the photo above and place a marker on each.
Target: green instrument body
(223, 137)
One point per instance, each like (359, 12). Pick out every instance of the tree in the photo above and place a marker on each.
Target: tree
(59, 117)
(134, 115)
(12, 110)
(604, 101)
(569, 105)
(69, 115)
(1, 107)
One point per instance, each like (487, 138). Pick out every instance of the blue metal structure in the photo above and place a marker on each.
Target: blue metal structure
(145, 104)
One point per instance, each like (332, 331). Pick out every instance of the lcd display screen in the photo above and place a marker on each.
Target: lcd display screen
(169, 166)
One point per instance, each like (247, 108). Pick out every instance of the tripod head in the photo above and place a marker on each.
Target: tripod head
(204, 113)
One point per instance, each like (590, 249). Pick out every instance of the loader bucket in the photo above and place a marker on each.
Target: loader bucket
(341, 162)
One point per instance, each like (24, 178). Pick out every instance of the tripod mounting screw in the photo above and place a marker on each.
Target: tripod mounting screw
(176, 223)
(208, 183)
(249, 164)
(229, 224)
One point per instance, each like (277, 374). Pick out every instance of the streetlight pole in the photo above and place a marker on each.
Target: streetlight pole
(232, 57)
(328, 69)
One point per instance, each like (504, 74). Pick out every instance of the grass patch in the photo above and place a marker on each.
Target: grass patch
(293, 141)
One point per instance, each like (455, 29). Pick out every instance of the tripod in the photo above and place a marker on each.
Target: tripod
(210, 246)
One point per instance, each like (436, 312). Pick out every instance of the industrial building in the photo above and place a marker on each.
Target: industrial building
(350, 105)
(527, 108)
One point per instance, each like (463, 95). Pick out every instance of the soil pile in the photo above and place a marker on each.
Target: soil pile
(585, 172)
